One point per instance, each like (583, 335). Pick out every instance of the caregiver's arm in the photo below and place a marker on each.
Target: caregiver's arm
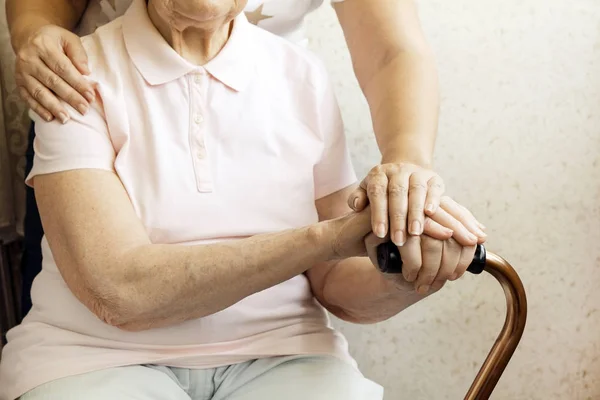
(396, 71)
(106, 258)
(49, 56)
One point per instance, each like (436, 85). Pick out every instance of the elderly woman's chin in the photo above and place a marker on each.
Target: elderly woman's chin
(182, 14)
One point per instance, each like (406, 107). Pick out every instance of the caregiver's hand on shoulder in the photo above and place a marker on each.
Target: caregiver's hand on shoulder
(404, 194)
(427, 263)
(49, 67)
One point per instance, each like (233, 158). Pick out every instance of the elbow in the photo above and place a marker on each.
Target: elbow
(116, 310)
(353, 318)
(347, 315)
(116, 305)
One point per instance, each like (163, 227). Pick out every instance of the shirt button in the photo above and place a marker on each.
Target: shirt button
(197, 79)
(200, 153)
(198, 119)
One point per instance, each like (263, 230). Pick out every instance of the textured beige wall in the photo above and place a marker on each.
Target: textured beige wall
(519, 143)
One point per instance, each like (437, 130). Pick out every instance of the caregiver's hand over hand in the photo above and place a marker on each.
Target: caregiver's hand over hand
(404, 194)
(49, 67)
(427, 263)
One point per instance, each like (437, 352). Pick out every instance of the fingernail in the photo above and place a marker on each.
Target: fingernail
(398, 238)
(482, 226)
(89, 96)
(415, 228)
(64, 118)
(380, 231)
(449, 231)
(481, 233)
(423, 289)
(454, 277)
(472, 237)
(430, 209)
(355, 203)
(48, 118)
(83, 108)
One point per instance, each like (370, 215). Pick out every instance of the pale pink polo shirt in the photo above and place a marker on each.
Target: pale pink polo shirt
(240, 147)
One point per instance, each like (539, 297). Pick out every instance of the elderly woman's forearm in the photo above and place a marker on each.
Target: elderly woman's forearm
(158, 285)
(26, 16)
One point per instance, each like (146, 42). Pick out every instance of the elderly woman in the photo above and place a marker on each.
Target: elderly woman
(193, 218)
(392, 63)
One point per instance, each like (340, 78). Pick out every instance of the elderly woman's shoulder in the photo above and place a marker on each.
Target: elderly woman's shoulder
(105, 49)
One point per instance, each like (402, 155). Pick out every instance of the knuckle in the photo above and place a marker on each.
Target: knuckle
(39, 110)
(411, 270)
(437, 185)
(37, 93)
(39, 36)
(417, 209)
(51, 81)
(378, 169)
(60, 68)
(81, 87)
(22, 56)
(396, 189)
(420, 186)
(452, 243)
(426, 277)
(38, 41)
(376, 189)
(430, 245)
(398, 218)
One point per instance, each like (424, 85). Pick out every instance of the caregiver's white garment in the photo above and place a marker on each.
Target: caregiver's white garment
(239, 147)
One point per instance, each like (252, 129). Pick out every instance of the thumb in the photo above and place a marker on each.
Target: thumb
(76, 53)
(358, 199)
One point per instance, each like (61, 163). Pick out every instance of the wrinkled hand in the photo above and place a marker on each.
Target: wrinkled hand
(49, 68)
(428, 263)
(404, 194)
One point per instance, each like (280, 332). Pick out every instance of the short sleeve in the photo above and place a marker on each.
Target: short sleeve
(81, 143)
(334, 171)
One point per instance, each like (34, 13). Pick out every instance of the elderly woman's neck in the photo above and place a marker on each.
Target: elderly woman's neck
(198, 43)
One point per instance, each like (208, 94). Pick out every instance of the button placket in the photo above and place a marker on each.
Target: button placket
(200, 156)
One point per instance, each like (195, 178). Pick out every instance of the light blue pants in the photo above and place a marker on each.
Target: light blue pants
(285, 378)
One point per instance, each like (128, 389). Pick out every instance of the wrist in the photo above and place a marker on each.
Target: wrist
(24, 28)
(321, 236)
(407, 155)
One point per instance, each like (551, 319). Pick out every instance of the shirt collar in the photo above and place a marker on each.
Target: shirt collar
(158, 63)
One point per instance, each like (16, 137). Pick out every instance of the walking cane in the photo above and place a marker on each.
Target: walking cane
(388, 258)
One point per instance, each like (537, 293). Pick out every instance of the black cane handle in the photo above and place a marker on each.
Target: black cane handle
(390, 262)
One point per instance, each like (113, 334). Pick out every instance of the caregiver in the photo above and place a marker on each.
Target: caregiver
(392, 62)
